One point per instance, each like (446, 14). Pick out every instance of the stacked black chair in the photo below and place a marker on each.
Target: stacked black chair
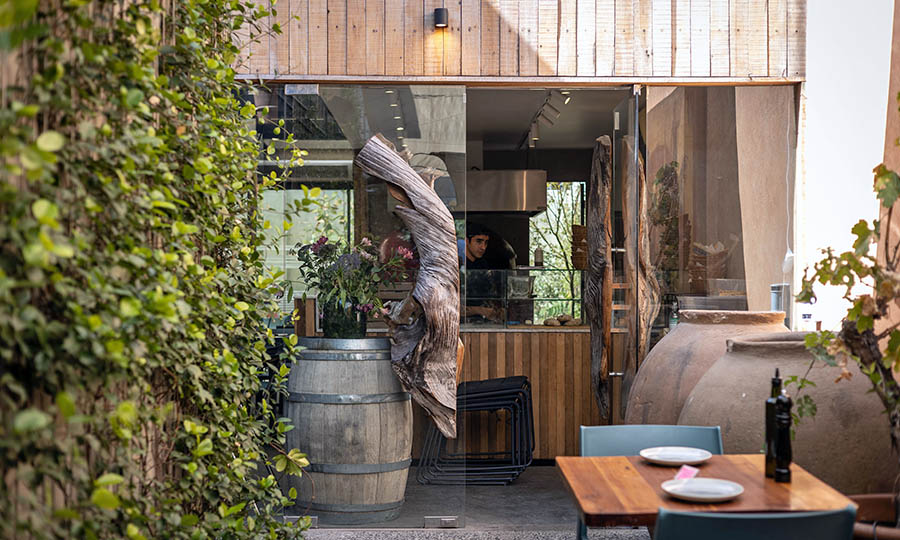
(512, 394)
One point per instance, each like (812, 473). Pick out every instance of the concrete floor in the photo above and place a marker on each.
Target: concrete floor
(536, 506)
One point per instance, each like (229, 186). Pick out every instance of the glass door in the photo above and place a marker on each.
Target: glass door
(426, 126)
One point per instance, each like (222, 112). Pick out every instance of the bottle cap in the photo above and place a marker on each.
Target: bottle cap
(777, 378)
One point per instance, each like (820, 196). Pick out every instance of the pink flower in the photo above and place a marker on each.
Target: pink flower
(365, 242)
(367, 256)
(318, 245)
(405, 252)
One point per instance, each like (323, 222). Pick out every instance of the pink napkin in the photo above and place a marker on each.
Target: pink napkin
(686, 471)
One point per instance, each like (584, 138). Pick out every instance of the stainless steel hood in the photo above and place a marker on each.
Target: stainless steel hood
(523, 191)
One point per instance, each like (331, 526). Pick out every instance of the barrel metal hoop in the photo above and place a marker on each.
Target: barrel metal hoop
(352, 507)
(348, 399)
(358, 468)
(345, 356)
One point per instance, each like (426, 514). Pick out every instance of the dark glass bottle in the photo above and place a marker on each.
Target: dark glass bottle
(783, 455)
(770, 424)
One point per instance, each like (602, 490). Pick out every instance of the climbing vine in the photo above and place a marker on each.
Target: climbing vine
(131, 278)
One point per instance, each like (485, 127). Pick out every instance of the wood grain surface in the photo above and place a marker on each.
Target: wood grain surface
(625, 490)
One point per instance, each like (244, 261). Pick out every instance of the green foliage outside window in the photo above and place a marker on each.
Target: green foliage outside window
(132, 282)
(552, 232)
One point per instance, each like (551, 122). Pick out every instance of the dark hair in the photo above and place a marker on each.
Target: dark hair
(475, 229)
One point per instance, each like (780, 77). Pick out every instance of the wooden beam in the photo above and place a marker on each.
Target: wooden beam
(337, 37)
(605, 56)
(374, 37)
(453, 38)
(413, 38)
(643, 38)
(528, 38)
(356, 37)
(624, 63)
(509, 38)
(719, 46)
(700, 52)
(587, 38)
(681, 49)
(796, 41)
(662, 38)
(518, 82)
(471, 37)
(394, 52)
(567, 59)
(298, 36)
(548, 35)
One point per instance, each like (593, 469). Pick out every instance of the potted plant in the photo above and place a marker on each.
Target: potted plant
(869, 335)
(347, 278)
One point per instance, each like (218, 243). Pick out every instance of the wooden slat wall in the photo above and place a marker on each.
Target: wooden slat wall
(634, 39)
(558, 366)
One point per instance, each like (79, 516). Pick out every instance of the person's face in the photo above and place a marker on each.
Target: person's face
(477, 245)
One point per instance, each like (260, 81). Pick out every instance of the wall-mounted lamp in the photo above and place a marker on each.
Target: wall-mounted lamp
(441, 17)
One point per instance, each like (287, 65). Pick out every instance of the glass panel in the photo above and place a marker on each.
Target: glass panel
(332, 123)
(624, 231)
(720, 163)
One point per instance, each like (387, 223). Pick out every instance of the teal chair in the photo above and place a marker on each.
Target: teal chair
(628, 440)
(831, 525)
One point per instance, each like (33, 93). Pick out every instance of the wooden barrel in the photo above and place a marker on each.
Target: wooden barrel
(354, 422)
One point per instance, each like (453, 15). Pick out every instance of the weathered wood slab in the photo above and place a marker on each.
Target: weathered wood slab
(425, 325)
(598, 281)
(642, 283)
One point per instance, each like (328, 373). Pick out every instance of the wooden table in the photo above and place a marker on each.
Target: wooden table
(625, 490)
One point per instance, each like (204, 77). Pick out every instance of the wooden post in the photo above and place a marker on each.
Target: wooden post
(360, 205)
(425, 325)
(639, 269)
(598, 281)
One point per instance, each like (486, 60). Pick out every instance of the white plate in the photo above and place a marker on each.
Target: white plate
(675, 455)
(703, 489)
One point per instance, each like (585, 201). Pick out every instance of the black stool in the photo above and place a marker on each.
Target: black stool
(513, 394)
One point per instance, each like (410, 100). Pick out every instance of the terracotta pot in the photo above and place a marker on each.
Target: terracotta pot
(847, 444)
(677, 362)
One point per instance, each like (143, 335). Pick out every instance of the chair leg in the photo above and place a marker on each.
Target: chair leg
(582, 531)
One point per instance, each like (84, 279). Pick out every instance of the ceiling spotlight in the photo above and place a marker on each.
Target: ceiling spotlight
(530, 143)
(393, 104)
(564, 92)
(388, 91)
(533, 132)
(396, 118)
(399, 128)
(400, 137)
(560, 98)
(549, 110)
(545, 118)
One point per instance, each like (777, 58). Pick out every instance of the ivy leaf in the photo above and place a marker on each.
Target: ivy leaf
(129, 307)
(65, 404)
(887, 185)
(30, 420)
(109, 479)
(248, 110)
(863, 237)
(189, 520)
(45, 212)
(133, 97)
(105, 498)
(50, 141)
(204, 448)
(241, 306)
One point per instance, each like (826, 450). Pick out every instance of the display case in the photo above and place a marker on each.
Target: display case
(526, 296)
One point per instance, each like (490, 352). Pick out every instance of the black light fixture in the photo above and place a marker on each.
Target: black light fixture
(441, 17)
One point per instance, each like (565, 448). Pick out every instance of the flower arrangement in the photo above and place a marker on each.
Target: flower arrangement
(347, 278)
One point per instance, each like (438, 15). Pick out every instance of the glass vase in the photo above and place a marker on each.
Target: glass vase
(343, 321)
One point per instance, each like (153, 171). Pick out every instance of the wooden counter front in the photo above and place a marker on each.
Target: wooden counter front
(557, 363)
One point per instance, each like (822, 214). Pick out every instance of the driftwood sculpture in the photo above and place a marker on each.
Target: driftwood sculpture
(425, 325)
(642, 280)
(598, 282)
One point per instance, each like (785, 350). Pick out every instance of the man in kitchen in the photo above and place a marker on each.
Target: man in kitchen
(485, 252)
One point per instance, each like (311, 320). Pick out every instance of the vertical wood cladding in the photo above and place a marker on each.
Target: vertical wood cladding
(511, 38)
